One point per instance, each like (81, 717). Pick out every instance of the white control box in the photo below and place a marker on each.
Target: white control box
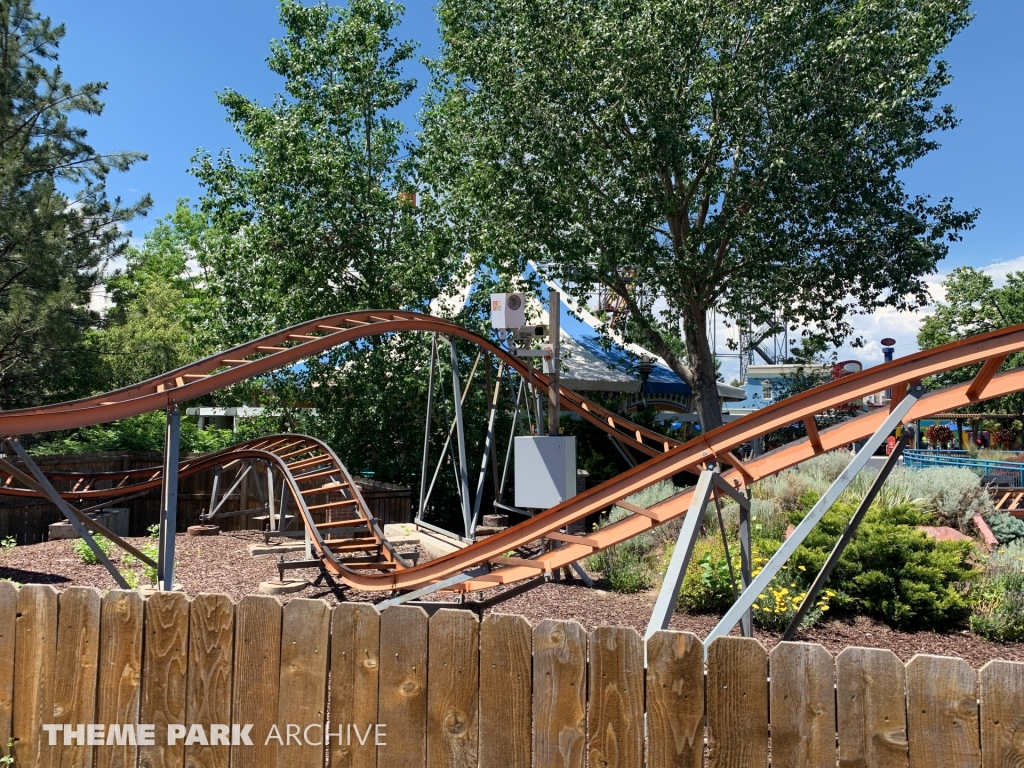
(508, 310)
(545, 471)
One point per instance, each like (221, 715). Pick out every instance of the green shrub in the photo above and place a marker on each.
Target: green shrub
(152, 550)
(891, 570)
(778, 604)
(628, 566)
(138, 433)
(999, 612)
(706, 585)
(1006, 528)
(85, 553)
(950, 495)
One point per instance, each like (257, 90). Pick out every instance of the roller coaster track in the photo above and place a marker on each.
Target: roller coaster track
(667, 457)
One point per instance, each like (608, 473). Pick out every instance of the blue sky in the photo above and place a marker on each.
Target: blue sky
(165, 61)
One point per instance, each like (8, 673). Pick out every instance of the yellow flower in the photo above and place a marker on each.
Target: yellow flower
(824, 607)
(801, 568)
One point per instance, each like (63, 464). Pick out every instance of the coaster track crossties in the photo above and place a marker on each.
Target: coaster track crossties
(303, 460)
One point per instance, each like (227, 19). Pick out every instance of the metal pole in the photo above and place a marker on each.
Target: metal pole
(461, 435)
(511, 439)
(688, 534)
(746, 565)
(426, 428)
(761, 582)
(554, 316)
(44, 486)
(488, 443)
(271, 506)
(851, 528)
(169, 501)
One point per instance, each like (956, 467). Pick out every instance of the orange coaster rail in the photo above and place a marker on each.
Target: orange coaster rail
(668, 457)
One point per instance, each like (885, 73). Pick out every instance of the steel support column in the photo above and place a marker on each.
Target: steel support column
(680, 560)
(488, 448)
(169, 501)
(426, 428)
(460, 432)
(554, 332)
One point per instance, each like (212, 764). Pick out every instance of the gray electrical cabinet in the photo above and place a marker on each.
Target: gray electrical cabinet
(545, 471)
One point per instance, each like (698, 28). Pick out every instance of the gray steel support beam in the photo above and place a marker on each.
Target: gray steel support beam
(554, 333)
(500, 493)
(680, 560)
(426, 427)
(460, 433)
(169, 501)
(430, 589)
(43, 485)
(761, 582)
(851, 528)
(488, 448)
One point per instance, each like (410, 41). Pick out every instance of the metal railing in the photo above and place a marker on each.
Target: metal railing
(964, 460)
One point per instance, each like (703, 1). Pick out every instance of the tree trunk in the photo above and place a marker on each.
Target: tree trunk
(702, 368)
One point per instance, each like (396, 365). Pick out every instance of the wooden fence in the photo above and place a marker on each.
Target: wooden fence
(450, 691)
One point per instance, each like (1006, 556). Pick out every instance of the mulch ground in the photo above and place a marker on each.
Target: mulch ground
(222, 564)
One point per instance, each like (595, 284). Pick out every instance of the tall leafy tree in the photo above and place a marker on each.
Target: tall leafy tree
(319, 215)
(973, 304)
(690, 155)
(57, 226)
(155, 321)
(321, 208)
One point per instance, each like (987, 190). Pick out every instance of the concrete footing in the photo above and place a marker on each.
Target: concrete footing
(286, 587)
(275, 549)
(150, 591)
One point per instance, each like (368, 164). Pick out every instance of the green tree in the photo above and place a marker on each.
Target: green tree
(742, 156)
(322, 209)
(154, 323)
(973, 305)
(57, 226)
(320, 216)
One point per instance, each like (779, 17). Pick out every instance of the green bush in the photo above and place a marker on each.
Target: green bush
(951, 496)
(152, 550)
(891, 570)
(628, 566)
(1006, 528)
(85, 553)
(138, 433)
(706, 585)
(999, 612)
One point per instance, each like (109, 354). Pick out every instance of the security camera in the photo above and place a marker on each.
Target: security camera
(529, 332)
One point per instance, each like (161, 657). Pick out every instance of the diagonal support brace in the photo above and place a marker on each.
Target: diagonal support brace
(43, 485)
(781, 557)
(840, 547)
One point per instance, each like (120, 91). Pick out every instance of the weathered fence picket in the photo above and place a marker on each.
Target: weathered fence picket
(308, 684)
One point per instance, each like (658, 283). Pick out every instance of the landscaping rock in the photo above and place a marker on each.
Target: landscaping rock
(275, 549)
(991, 543)
(495, 521)
(62, 530)
(942, 533)
(203, 530)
